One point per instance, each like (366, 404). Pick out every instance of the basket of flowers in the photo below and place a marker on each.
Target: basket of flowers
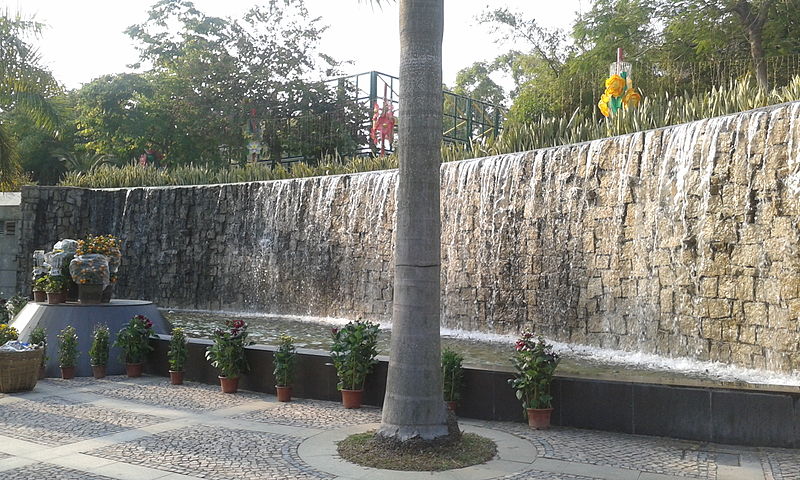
(19, 362)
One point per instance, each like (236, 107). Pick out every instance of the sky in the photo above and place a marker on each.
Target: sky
(84, 38)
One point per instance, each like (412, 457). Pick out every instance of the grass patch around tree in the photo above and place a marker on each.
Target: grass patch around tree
(365, 450)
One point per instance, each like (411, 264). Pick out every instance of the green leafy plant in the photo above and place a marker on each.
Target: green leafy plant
(134, 339)
(68, 347)
(452, 374)
(178, 350)
(227, 352)
(353, 353)
(284, 361)
(98, 353)
(39, 337)
(40, 284)
(56, 284)
(536, 364)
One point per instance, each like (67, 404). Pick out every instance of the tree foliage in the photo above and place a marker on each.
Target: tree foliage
(25, 89)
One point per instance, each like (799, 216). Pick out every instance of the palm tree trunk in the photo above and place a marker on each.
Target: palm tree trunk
(414, 404)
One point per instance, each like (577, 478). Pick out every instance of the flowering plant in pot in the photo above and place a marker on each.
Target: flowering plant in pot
(284, 367)
(98, 352)
(227, 353)
(39, 294)
(56, 288)
(67, 352)
(39, 337)
(536, 364)
(452, 377)
(177, 354)
(353, 353)
(134, 340)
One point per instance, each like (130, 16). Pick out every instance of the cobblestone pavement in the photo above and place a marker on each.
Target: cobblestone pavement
(141, 429)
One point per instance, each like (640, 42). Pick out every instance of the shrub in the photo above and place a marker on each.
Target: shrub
(452, 374)
(353, 352)
(134, 339)
(177, 350)
(98, 353)
(284, 361)
(227, 352)
(68, 347)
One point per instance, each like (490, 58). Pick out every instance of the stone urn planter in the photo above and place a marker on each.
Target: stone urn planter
(284, 393)
(108, 293)
(229, 384)
(539, 418)
(352, 398)
(90, 294)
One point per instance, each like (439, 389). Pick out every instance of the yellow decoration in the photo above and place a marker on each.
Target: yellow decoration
(615, 85)
(603, 106)
(631, 98)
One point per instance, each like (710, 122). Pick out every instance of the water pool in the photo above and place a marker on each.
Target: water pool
(494, 352)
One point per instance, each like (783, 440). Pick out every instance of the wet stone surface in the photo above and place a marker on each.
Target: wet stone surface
(55, 420)
(313, 414)
(216, 453)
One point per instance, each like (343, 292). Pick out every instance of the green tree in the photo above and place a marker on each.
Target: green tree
(413, 406)
(25, 87)
(732, 28)
(219, 70)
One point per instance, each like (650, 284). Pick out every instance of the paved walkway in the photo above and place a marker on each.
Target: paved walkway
(142, 429)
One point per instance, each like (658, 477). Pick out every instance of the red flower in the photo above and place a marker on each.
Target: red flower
(334, 330)
(237, 324)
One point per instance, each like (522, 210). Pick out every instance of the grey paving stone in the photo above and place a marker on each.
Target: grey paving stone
(216, 453)
(537, 475)
(781, 464)
(646, 454)
(56, 420)
(313, 414)
(41, 471)
(190, 396)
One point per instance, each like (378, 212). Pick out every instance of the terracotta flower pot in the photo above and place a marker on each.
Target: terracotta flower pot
(452, 405)
(284, 393)
(133, 369)
(39, 297)
(176, 377)
(67, 373)
(352, 398)
(90, 294)
(539, 418)
(54, 298)
(229, 384)
(99, 371)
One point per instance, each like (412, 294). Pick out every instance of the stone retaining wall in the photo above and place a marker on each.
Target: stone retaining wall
(681, 241)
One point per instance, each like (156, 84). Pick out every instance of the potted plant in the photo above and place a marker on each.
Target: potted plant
(227, 354)
(134, 340)
(353, 353)
(67, 352)
(39, 337)
(536, 364)
(177, 355)
(56, 288)
(284, 367)
(39, 294)
(452, 377)
(98, 353)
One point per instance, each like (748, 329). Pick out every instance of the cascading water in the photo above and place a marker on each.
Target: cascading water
(681, 241)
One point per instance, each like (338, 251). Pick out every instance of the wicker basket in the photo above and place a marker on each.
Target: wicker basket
(19, 370)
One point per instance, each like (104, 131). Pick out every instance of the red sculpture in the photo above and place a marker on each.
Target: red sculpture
(383, 121)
